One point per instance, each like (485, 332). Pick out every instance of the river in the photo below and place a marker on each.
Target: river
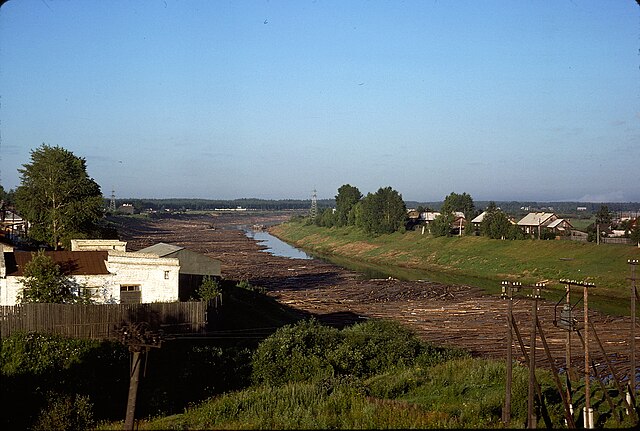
(277, 247)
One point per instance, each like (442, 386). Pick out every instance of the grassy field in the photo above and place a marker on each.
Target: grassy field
(527, 261)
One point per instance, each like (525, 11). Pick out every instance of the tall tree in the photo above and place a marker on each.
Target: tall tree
(459, 202)
(57, 196)
(441, 225)
(346, 199)
(603, 216)
(382, 212)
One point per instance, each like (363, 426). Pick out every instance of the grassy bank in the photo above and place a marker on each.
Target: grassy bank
(528, 261)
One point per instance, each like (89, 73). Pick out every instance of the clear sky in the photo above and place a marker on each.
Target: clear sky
(504, 100)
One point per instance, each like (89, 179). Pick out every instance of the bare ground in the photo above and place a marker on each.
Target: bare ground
(460, 316)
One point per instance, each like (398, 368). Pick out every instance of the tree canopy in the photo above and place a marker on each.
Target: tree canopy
(459, 202)
(382, 212)
(57, 196)
(496, 224)
(346, 199)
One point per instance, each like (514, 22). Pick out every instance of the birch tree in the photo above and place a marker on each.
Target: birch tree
(57, 197)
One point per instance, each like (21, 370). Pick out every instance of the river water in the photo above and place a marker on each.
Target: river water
(276, 246)
(280, 248)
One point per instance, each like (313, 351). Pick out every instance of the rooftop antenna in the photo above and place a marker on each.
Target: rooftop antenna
(313, 212)
(112, 204)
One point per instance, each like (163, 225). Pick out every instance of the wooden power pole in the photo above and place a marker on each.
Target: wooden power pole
(140, 339)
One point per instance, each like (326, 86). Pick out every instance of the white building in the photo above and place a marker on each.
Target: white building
(112, 276)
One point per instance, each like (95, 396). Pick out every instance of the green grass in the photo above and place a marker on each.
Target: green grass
(487, 261)
(462, 393)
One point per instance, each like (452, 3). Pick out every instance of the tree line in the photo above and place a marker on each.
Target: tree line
(61, 201)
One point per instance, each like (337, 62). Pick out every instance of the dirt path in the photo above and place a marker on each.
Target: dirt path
(458, 316)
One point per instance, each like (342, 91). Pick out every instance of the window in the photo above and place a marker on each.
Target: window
(130, 294)
(166, 275)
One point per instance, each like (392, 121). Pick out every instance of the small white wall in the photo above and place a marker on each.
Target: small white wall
(147, 271)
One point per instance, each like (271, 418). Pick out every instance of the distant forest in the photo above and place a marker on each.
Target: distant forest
(510, 207)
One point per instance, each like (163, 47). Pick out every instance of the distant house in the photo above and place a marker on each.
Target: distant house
(428, 216)
(110, 276)
(98, 245)
(532, 223)
(126, 209)
(12, 224)
(459, 222)
(535, 224)
(193, 266)
(477, 221)
(560, 227)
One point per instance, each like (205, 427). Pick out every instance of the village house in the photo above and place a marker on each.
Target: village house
(535, 224)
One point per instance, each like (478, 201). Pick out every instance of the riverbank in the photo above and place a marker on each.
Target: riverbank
(448, 314)
(487, 261)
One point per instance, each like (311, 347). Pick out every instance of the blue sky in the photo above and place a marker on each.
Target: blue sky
(504, 100)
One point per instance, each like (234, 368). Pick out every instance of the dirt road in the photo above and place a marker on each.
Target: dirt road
(447, 315)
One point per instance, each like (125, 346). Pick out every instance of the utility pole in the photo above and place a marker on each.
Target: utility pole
(632, 376)
(588, 411)
(507, 293)
(508, 289)
(140, 339)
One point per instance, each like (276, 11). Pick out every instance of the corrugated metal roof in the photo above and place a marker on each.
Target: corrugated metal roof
(71, 262)
(535, 219)
(161, 249)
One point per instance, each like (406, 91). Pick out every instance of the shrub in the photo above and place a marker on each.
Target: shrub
(309, 351)
(32, 353)
(295, 353)
(209, 289)
(375, 346)
(68, 412)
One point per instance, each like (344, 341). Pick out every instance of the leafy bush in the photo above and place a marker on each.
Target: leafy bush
(32, 353)
(244, 284)
(309, 351)
(33, 366)
(375, 346)
(209, 289)
(68, 412)
(295, 353)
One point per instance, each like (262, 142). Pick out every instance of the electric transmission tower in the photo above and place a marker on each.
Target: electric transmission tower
(112, 204)
(313, 212)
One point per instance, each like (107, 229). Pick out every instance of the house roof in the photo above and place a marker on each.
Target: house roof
(429, 215)
(535, 219)
(161, 249)
(479, 218)
(558, 223)
(71, 262)
(190, 261)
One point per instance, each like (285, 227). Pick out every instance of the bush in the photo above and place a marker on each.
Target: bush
(65, 412)
(308, 351)
(375, 346)
(295, 353)
(209, 289)
(33, 366)
(32, 353)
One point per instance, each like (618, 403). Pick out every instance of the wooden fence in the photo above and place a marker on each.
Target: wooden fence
(102, 321)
